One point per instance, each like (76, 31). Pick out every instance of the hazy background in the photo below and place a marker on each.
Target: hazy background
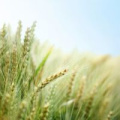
(88, 25)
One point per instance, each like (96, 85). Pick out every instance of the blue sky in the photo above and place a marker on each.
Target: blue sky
(88, 25)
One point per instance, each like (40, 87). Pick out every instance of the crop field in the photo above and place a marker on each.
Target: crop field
(40, 82)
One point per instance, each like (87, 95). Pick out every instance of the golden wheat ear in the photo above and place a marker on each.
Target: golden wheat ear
(90, 102)
(21, 110)
(44, 113)
(50, 79)
(80, 90)
(70, 86)
(109, 117)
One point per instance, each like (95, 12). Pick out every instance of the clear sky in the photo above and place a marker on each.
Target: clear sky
(88, 25)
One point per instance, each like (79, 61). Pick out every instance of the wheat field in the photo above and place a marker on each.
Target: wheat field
(40, 82)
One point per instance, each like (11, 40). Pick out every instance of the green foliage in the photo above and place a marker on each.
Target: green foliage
(38, 82)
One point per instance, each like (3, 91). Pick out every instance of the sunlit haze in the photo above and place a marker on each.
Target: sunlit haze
(88, 25)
